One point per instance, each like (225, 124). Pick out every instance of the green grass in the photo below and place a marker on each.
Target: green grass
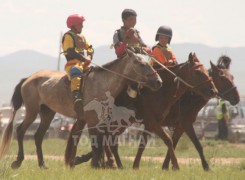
(148, 169)
(156, 147)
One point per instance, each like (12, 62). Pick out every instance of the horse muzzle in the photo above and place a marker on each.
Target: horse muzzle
(155, 85)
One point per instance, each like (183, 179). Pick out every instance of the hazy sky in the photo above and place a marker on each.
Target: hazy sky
(37, 24)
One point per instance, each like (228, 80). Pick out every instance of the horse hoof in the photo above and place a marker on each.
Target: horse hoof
(72, 164)
(165, 168)
(206, 169)
(43, 166)
(120, 167)
(175, 168)
(111, 165)
(15, 165)
(135, 167)
(77, 160)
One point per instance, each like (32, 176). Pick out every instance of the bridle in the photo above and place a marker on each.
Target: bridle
(222, 95)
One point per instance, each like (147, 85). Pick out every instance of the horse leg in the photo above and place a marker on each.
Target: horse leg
(83, 158)
(110, 161)
(72, 142)
(86, 157)
(20, 131)
(192, 135)
(142, 145)
(114, 149)
(46, 116)
(97, 148)
(176, 136)
(168, 141)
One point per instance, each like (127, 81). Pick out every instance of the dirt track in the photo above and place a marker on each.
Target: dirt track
(158, 159)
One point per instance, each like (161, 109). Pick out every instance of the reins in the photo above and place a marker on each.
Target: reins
(227, 91)
(124, 76)
(178, 79)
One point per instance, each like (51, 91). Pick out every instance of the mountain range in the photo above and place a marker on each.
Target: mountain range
(20, 64)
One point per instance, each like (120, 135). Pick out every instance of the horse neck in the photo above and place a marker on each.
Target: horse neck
(177, 89)
(168, 94)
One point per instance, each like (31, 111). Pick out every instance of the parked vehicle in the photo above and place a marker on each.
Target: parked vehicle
(30, 132)
(205, 116)
(60, 127)
(5, 114)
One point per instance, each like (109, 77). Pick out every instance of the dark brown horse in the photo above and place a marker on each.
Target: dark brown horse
(184, 112)
(153, 107)
(186, 116)
(47, 92)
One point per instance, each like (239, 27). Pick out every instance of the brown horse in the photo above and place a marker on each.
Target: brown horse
(153, 107)
(47, 92)
(184, 112)
(186, 116)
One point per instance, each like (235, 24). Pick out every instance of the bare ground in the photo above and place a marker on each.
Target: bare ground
(157, 159)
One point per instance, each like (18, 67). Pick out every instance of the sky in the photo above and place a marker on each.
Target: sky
(38, 24)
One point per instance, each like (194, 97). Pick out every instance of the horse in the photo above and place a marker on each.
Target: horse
(47, 92)
(184, 112)
(153, 107)
(186, 116)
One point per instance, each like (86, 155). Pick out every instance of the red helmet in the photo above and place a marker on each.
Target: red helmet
(74, 20)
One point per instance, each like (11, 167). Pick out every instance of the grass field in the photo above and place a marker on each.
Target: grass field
(149, 168)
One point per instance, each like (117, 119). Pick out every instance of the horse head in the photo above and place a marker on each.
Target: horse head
(224, 82)
(141, 71)
(199, 79)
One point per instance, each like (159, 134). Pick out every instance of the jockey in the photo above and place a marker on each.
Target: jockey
(74, 45)
(224, 62)
(162, 51)
(128, 36)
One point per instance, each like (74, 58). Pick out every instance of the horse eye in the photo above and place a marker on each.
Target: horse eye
(221, 73)
(198, 71)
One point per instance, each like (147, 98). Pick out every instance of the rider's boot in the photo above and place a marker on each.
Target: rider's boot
(77, 96)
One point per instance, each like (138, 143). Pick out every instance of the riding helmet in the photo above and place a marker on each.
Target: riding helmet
(164, 30)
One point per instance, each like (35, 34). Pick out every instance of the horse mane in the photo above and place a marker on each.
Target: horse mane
(174, 68)
(107, 65)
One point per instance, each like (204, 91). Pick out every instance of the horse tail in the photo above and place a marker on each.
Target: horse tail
(16, 102)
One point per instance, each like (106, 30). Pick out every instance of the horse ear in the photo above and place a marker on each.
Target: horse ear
(213, 66)
(193, 58)
(129, 52)
(190, 58)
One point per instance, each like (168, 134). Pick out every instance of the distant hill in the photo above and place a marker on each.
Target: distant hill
(26, 62)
